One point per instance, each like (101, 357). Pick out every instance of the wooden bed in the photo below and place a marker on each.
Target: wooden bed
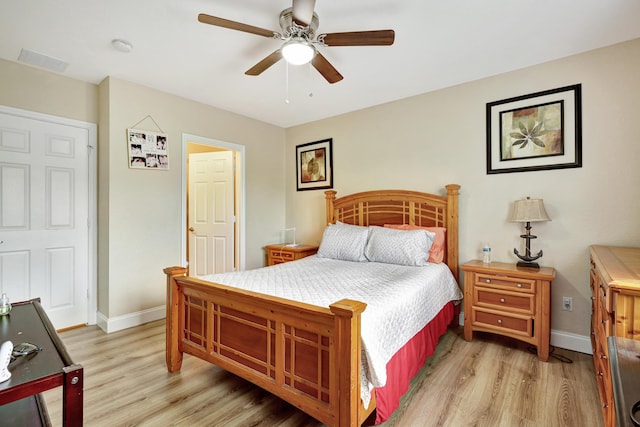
(305, 354)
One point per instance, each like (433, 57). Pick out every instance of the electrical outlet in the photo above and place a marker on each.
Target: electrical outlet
(567, 303)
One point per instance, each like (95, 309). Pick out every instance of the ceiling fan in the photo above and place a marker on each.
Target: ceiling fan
(299, 24)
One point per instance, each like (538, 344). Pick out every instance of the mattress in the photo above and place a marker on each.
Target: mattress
(400, 300)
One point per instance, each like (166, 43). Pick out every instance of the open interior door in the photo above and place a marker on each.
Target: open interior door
(211, 219)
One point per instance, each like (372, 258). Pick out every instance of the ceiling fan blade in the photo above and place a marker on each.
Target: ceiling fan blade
(267, 62)
(325, 68)
(359, 38)
(233, 25)
(303, 11)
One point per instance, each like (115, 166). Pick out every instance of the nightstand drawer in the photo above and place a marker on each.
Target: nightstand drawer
(504, 300)
(277, 254)
(281, 256)
(511, 323)
(505, 282)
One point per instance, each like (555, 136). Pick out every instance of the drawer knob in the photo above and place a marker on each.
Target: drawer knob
(519, 285)
(488, 280)
(602, 356)
(502, 300)
(499, 321)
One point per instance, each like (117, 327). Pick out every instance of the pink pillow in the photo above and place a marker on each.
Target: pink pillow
(436, 253)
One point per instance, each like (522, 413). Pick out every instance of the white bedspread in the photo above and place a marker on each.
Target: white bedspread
(400, 300)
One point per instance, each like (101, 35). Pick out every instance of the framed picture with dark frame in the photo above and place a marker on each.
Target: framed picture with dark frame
(314, 165)
(540, 131)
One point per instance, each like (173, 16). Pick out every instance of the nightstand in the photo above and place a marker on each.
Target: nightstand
(277, 254)
(504, 299)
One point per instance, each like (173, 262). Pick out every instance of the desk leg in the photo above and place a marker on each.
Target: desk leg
(72, 402)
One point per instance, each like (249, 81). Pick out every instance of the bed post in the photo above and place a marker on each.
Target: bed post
(173, 354)
(347, 315)
(452, 228)
(330, 197)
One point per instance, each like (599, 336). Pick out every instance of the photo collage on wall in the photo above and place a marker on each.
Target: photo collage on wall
(147, 150)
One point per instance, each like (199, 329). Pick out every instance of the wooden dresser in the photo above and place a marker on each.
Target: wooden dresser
(280, 253)
(615, 287)
(505, 299)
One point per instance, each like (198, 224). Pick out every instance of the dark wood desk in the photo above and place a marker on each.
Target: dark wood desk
(33, 374)
(624, 359)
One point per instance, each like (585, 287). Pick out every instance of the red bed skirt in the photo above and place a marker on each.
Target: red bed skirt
(406, 363)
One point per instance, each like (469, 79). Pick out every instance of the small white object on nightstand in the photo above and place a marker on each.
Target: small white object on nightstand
(5, 358)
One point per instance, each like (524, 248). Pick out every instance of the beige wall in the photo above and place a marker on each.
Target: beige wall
(427, 141)
(144, 207)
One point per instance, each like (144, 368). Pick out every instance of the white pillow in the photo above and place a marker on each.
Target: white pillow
(403, 247)
(344, 242)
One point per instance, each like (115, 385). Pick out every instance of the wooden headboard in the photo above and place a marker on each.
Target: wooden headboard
(401, 207)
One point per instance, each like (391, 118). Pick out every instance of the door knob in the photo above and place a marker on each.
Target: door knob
(192, 229)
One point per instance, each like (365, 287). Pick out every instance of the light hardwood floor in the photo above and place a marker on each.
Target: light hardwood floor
(491, 381)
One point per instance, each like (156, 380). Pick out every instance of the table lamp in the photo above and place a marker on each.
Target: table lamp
(528, 210)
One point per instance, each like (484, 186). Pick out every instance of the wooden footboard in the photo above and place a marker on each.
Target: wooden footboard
(307, 355)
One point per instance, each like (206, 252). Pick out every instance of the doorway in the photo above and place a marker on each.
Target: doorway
(212, 205)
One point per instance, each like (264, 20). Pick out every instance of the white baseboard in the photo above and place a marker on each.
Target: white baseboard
(119, 323)
(562, 339)
(569, 341)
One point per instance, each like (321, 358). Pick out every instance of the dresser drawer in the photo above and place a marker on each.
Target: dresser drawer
(505, 282)
(504, 300)
(599, 287)
(604, 321)
(508, 323)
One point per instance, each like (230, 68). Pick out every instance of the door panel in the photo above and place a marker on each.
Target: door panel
(211, 218)
(44, 190)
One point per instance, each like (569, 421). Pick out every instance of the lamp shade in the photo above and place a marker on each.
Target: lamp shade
(529, 210)
(298, 51)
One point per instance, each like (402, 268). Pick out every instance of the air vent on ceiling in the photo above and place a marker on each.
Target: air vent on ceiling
(42, 61)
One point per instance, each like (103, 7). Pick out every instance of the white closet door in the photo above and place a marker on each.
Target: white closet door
(44, 179)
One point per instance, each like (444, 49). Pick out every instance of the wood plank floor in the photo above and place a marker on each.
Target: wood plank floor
(491, 381)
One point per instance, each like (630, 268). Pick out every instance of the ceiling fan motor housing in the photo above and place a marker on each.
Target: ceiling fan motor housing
(290, 28)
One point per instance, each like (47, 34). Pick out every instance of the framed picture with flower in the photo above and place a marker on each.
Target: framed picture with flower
(535, 132)
(314, 165)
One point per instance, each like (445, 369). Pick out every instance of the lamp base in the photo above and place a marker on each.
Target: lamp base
(528, 264)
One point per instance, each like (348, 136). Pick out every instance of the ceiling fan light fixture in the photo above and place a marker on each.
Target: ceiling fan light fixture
(298, 51)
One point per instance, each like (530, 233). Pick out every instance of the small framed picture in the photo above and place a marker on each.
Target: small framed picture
(147, 150)
(314, 165)
(534, 132)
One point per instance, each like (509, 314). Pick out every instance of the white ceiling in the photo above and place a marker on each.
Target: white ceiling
(438, 44)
